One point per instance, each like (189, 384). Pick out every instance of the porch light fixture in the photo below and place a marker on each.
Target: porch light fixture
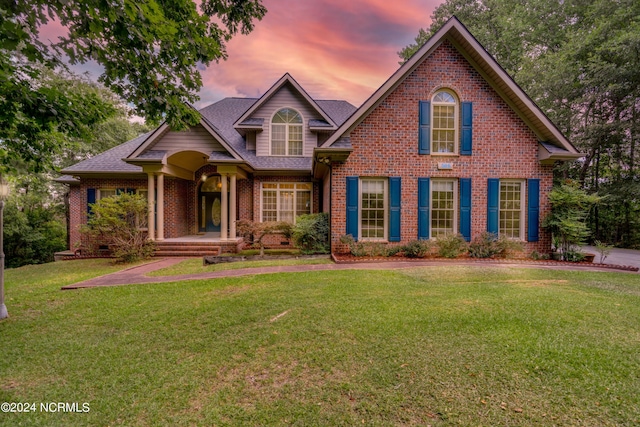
(4, 192)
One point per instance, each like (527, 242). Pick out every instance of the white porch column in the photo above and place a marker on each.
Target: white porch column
(232, 207)
(151, 198)
(224, 226)
(160, 206)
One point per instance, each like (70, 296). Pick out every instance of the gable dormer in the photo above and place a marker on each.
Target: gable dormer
(285, 122)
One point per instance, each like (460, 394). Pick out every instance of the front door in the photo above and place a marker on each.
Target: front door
(210, 212)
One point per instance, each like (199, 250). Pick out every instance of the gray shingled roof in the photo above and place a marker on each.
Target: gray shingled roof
(318, 123)
(552, 148)
(221, 116)
(110, 160)
(226, 112)
(344, 142)
(153, 155)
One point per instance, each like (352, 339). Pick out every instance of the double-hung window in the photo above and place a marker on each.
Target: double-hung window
(285, 201)
(444, 202)
(373, 211)
(286, 133)
(511, 209)
(444, 123)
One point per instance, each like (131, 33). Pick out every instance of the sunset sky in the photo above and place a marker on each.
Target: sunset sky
(336, 49)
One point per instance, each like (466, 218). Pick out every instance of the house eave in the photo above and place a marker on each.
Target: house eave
(324, 157)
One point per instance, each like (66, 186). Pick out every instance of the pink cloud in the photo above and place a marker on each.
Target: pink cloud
(336, 49)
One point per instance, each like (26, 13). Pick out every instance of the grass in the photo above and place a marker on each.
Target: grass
(438, 346)
(194, 265)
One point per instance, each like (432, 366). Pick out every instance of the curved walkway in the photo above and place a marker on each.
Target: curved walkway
(138, 274)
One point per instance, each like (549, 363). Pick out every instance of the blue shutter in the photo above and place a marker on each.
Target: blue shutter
(424, 138)
(91, 198)
(423, 208)
(533, 197)
(465, 208)
(493, 205)
(467, 129)
(394, 208)
(352, 206)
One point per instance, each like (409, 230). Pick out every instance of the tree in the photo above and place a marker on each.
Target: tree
(570, 206)
(116, 222)
(35, 223)
(151, 52)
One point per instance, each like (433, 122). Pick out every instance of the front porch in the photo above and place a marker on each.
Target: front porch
(207, 244)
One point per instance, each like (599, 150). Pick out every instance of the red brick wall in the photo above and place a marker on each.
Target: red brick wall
(386, 144)
(78, 201)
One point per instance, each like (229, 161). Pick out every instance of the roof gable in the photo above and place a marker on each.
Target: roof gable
(458, 35)
(246, 120)
(205, 138)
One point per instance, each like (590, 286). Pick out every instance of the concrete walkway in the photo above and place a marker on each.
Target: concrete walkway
(138, 274)
(617, 256)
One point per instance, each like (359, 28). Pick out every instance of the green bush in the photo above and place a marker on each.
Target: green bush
(451, 246)
(32, 234)
(114, 221)
(311, 233)
(360, 249)
(488, 245)
(570, 206)
(418, 248)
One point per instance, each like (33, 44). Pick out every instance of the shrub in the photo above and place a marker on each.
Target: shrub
(311, 233)
(256, 231)
(488, 245)
(484, 246)
(418, 248)
(114, 221)
(451, 246)
(570, 206)
(360, 249)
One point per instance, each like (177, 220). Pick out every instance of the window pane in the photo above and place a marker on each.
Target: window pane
(510, 209)
(444, 124)
(295, 140)
(269, 205)
(372, 213)
(442, 211)
(278, 141)
(107, 193)
(286, 206)
(303, 203)
(286, 133)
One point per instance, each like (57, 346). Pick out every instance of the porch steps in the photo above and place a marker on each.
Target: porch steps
(186, 249)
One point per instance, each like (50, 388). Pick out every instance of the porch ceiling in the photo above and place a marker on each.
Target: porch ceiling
(188, 160)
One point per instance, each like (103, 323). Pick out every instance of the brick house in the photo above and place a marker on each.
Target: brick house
(448, 144)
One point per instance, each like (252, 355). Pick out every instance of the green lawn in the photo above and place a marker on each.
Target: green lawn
(440, 346)
(194, 265)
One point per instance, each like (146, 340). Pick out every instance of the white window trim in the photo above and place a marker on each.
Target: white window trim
(386, 210)
(456, 115)
(295, 197)
(286, 141)
(100, 190)
(456, 205)
(523, 202)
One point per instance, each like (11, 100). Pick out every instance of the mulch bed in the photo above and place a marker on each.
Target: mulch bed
(350, 259)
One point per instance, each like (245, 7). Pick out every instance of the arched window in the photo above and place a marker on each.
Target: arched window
(286, 133)
(444, 131)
